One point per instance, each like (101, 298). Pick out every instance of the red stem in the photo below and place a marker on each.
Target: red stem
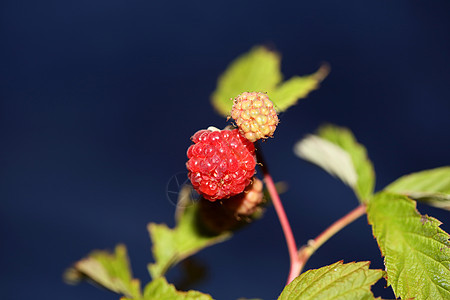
(289, 236)
(290, 241)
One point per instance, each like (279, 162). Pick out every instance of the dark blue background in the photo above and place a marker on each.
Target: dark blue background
(99, 99)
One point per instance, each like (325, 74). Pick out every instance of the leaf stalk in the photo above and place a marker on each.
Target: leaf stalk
(307, 250)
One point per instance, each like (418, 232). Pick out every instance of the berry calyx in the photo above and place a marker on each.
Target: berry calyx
(221, 163)
(255, 115)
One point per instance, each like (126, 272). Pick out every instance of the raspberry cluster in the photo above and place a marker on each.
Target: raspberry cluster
(221, 163)
(255, 115)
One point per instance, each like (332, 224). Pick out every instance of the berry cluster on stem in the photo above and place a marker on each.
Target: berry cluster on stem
(222, 165)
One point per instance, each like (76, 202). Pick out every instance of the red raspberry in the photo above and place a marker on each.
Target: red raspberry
(221, 163)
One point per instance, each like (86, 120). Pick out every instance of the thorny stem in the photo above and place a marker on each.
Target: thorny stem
(290, 240)
(306, 251)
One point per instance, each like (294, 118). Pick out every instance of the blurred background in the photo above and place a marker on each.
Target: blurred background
(99, 99)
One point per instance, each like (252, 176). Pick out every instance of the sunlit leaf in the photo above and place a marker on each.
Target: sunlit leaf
(110, 270)
(259, 71)
(159, 289)
(430, 186)
(170, 246)
(329, 157)
(336, 281)
(289, 92)
(255, 71)
(416, 251)
(336, 150)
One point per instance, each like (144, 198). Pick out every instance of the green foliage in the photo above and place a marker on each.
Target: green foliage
(416, 250)
(161, 290)
(336, 281)
(110, 270)
(259, 71)
(289, 92)
(171, 246)
(430, 186)
(336, 150)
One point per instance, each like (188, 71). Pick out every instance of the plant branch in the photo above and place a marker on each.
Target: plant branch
(295, 266)
(299, 259)
(306, 251)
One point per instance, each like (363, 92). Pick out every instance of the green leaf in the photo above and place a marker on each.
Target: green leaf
(430, 186)
(336, 281)
(171, 246)
(255, 71)
(110, 270)
(336, 150)
(161, 290)
(259, 71)
(329, 157)
(289, 92)
(416, 251)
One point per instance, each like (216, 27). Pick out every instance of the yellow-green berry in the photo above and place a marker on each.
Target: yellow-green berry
(255, 115)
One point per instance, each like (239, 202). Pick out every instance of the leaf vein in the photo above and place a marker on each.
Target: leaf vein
(337, 279)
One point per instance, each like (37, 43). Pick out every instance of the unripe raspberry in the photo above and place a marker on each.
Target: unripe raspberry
(221, 163)
(234, 212)
(255, 115)
(246, 203)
